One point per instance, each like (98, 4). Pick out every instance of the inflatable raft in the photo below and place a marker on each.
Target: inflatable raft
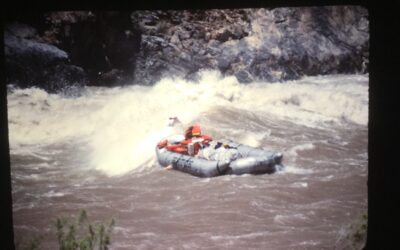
(248, 160)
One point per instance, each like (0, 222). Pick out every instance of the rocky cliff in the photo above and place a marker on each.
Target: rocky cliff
(141, 47)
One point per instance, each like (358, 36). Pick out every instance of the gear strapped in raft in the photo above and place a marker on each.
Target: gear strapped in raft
(199, 155)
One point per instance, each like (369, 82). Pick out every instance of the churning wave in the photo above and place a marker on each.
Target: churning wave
(121, 125)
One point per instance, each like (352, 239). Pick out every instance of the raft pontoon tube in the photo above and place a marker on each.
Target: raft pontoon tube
(252, 161)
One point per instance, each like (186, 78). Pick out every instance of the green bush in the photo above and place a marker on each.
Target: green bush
(81, 234)
(73, 234)
(359, 229)
(29, 242)
(355, 234)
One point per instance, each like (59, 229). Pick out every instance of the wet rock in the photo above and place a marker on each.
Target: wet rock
(269, 45)
(98, 41)
(141, 47)
(21, 30)
(223, 35)
(223, 64)
(62, 77)
(32, 63)
(114, 77)
(243, 76)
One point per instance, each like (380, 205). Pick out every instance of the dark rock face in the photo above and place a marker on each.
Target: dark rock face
(253, 44)
(141, 47)
(103, 43)
(33, 63)
(181, 43)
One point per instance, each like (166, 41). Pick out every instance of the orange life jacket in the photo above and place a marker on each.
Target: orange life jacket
(193, 131)
(190, 146)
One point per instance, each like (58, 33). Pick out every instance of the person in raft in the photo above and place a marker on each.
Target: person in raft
(193, 142)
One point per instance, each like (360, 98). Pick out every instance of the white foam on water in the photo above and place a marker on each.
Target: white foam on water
(53, 194)
(241, 236)
(123, 125)
(285, 218)
(302, 147)
(252, 139)
(299, 185)
(296, 170)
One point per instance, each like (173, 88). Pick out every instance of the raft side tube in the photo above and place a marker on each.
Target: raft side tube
(252, 165)
(201, 167)
(189, 164)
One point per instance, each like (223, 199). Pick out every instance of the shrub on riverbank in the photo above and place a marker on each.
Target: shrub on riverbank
(73, 234)
(355, 235)
(81, 234)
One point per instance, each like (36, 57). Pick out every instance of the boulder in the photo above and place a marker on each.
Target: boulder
(141, 47)
(99, 42)
(33, 63)
(272, 45)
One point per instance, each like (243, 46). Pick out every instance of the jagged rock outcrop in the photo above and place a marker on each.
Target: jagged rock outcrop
(141, 47)
(181, 43)
(105, 44)
(253, 44)
(30, 62)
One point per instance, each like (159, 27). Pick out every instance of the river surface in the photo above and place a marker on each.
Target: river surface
(96, 152)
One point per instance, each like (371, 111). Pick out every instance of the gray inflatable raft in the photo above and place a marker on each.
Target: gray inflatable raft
(250, 160)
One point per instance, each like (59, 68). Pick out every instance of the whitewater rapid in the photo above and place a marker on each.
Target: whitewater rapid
(121, 125)
(96, 151)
